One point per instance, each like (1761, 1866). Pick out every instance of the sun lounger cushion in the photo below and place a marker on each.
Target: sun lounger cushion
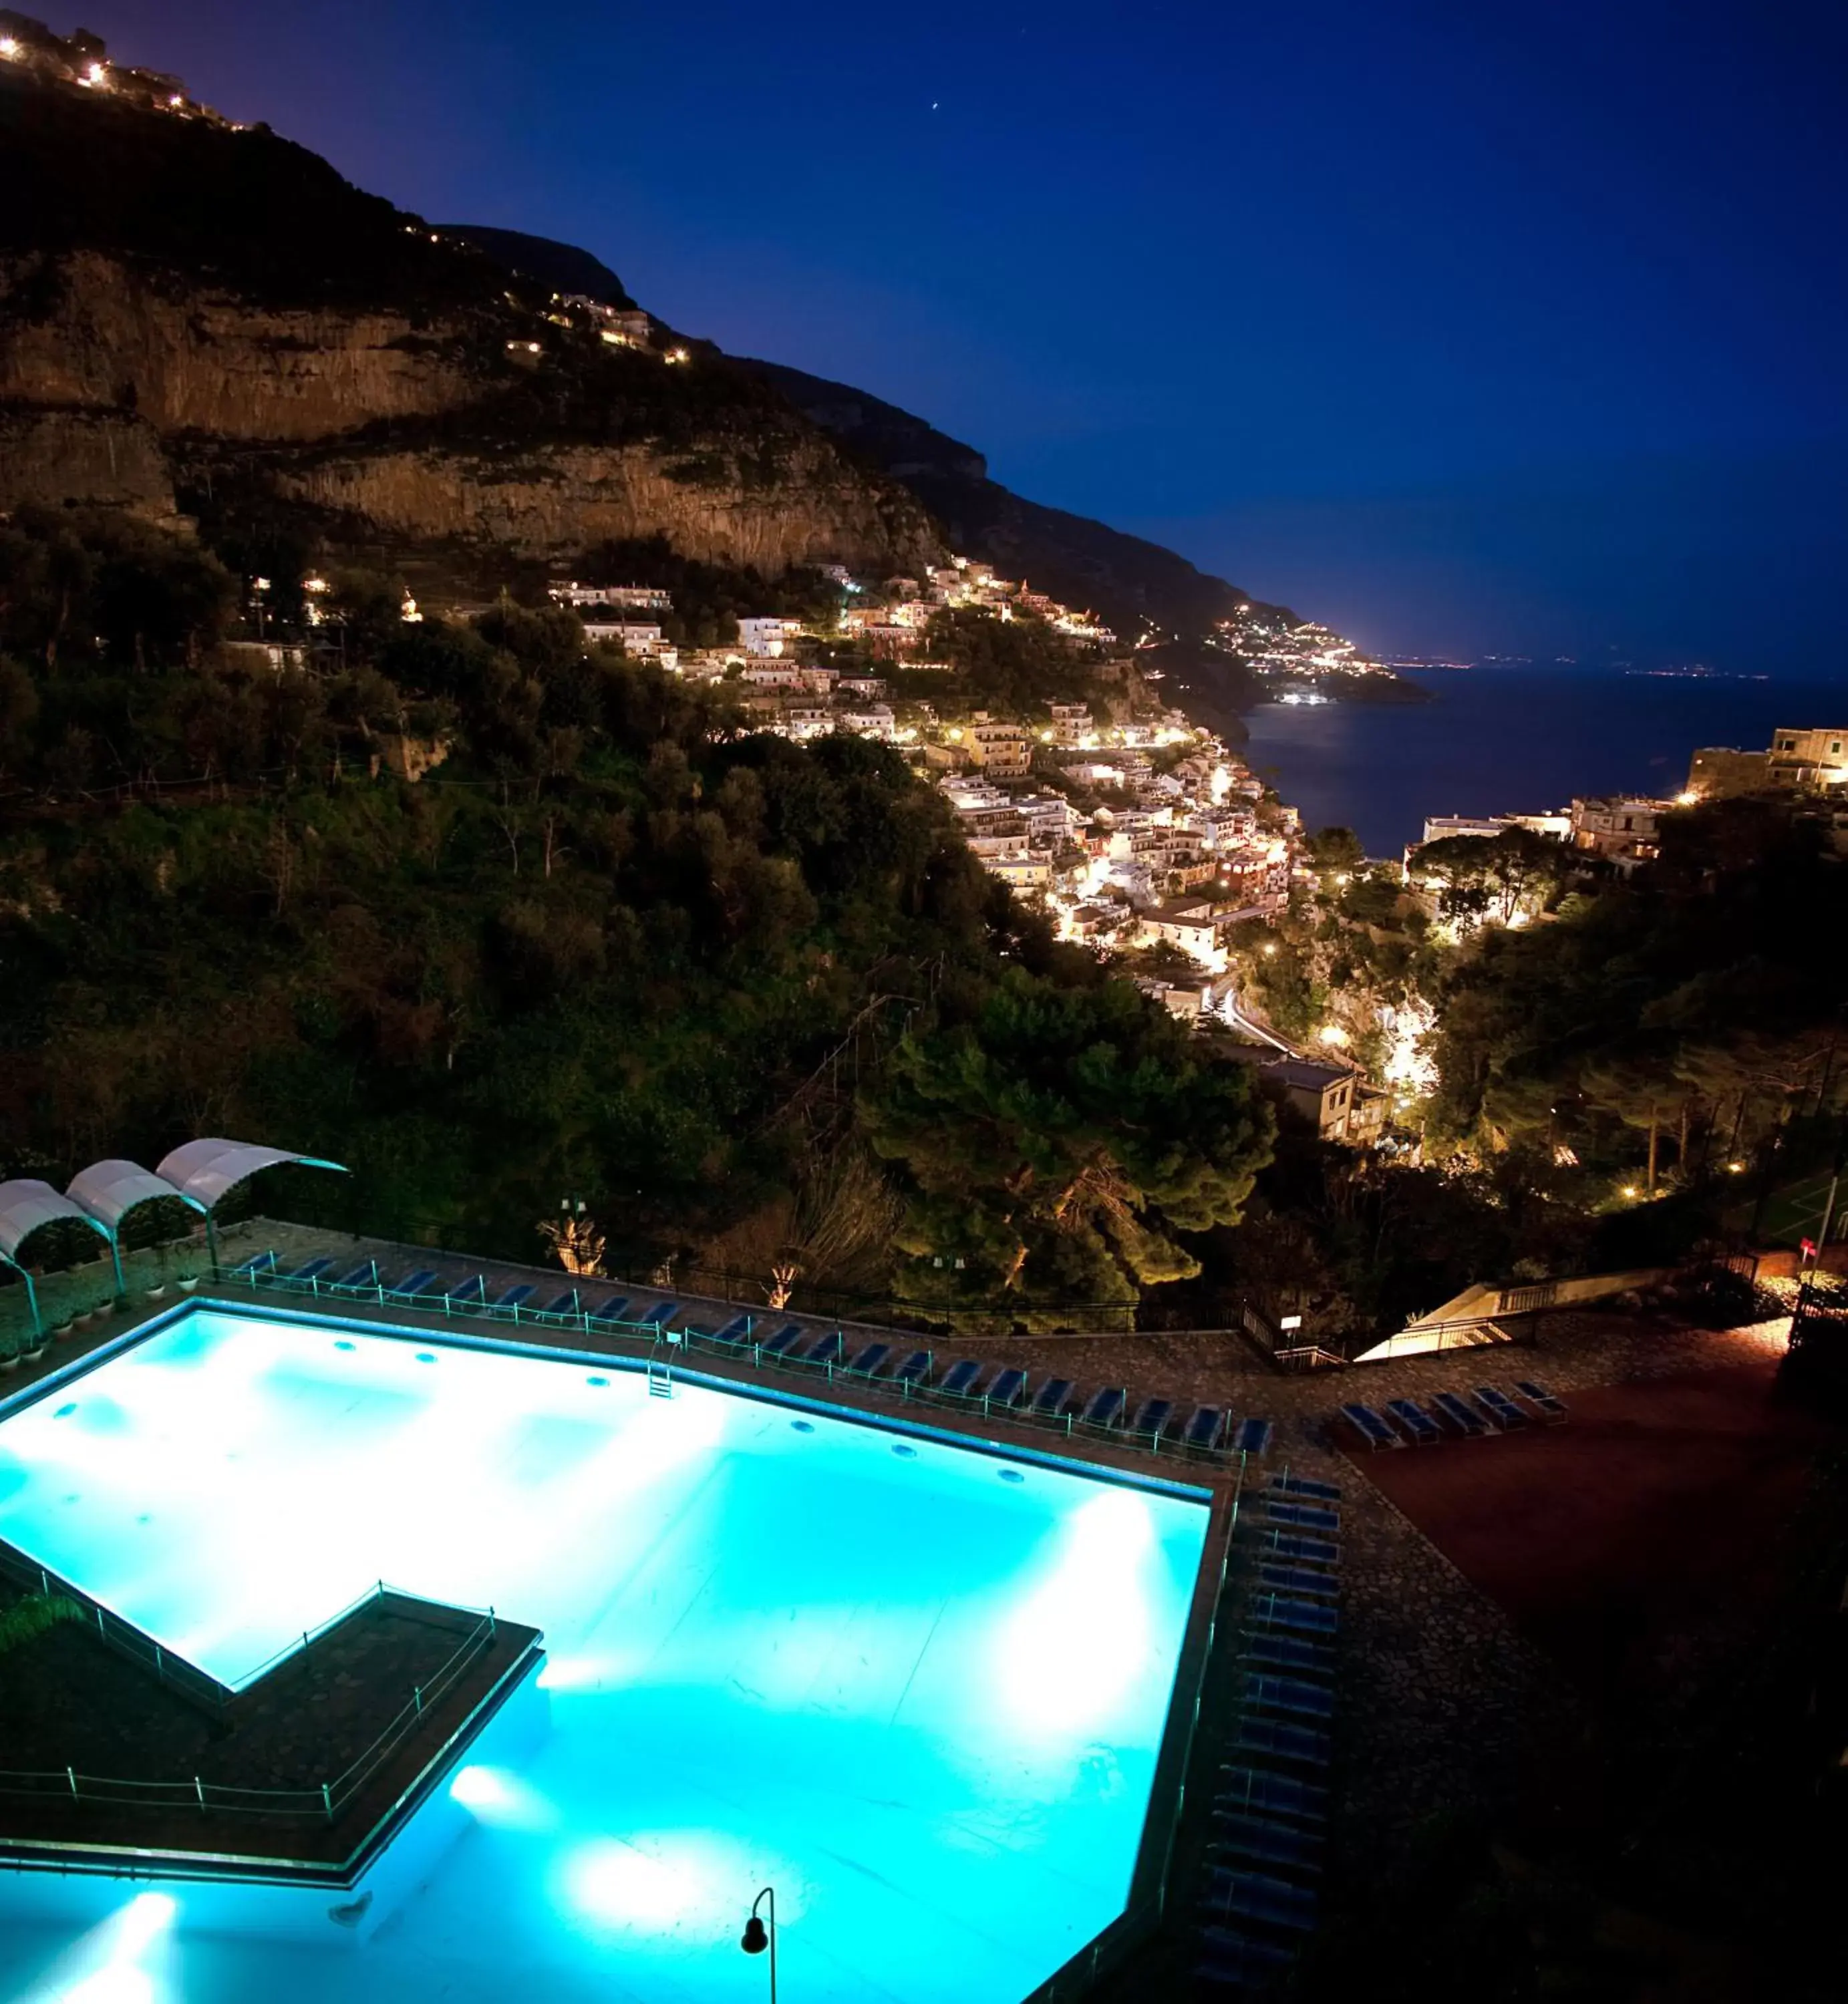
(1053, 1397)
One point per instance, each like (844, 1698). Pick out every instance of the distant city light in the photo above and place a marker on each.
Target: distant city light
(1629, 1190)
(1686, 799)
(8, 46)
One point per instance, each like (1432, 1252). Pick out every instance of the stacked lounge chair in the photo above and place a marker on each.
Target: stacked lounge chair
(1551, 1411)
(1499, 1407)
(1372, 1430)
(1463, 1416)
(1271, 1803)
(1421, 1429)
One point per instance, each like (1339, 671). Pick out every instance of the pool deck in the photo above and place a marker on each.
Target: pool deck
(1451, 1704)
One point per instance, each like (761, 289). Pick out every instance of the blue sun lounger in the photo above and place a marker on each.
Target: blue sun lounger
(959, 1381)
(1424, 1430)
(1551, 1411)
(1268, 1842)
(827, 1351)
(510, 1302)
(915, 1370)
(561, 1308)
(412, 1286)
(1289, 1694)
(470, 1291)
(1203, 1429)
(363, 1278)
(1008, 1389)
(659, 1316)
(1297, 1579)
(1373, 1431)
(1303, 1516)
(783, 1343)
(1255, 1896)
(1233, 1961)
(1460, 1414)
(1052, 1398)
(311, 1270)
(1499, 1407)
(1251, 1436)
(1105, 1408)
(1284, 1482)
(1152, 1419)
(614, 1310)
(869, 1359)
(1298, 1547)
(1244, 1789)
(1236, 1963)
(259, 1263)
(736, 1331)
(1289, 1610)
(1290, 1653)
(1281, 1741)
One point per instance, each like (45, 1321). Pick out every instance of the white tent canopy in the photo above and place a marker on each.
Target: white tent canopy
(26, 1204)
(109, 1190)
(205, 1170)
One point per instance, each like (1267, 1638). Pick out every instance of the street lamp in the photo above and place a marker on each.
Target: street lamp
(755, 1938)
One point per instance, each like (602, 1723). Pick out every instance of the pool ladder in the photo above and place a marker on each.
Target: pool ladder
(660, 1371)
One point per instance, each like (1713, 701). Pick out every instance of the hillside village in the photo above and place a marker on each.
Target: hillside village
(1130, 825)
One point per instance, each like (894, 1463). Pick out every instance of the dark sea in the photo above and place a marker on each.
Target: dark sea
(1512, 740)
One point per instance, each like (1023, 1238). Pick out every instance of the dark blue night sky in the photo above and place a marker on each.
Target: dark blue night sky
(1463, 326)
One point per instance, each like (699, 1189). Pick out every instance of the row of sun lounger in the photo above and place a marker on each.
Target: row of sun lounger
(1487, 1410)
(1210, 1430)
(1270, 1807)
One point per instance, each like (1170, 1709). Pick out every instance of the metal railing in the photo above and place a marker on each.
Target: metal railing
(321, 1801)
(455, 1307)
(192, 1683)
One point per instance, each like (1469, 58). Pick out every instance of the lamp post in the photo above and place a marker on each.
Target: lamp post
(755, 1938)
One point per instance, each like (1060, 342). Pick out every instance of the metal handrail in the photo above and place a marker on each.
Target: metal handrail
(325, 1800)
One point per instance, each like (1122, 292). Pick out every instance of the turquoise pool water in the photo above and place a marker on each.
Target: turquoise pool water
(919, 1689)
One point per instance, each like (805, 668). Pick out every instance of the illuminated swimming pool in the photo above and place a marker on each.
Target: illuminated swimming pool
(921, 1689)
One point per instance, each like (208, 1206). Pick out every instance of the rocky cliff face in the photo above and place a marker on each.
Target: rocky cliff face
(95, 332)
(186, 297)
(88, 458)
(564, 497)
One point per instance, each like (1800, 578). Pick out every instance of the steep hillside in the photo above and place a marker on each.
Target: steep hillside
(1132, 584)
(560, 268)
(187, 308)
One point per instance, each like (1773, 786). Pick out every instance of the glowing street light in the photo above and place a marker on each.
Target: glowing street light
(755, 1938)
(1332, 1035)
